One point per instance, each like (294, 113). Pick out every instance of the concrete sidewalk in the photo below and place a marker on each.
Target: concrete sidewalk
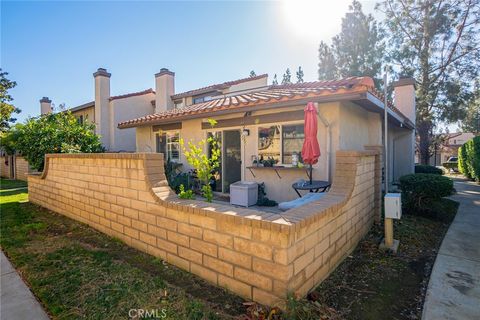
(16, 302)
(454, 287)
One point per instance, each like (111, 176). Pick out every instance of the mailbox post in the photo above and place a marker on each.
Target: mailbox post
(393, 210)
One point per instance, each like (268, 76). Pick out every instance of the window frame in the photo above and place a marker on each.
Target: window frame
(168, 144)
(267, 125)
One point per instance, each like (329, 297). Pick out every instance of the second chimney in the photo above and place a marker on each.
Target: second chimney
(45, 105)
(164, 89)
(102, 105)
(404, 97)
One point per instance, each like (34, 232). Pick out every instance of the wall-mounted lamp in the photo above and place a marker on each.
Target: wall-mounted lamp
(245, 132)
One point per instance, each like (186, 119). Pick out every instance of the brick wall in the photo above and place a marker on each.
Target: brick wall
(257, 255)
(21, 167)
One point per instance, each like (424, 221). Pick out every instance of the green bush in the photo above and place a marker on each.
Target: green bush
(420, 190)
(53, 133)
(462, 162)
(422, 168)
(469, 159)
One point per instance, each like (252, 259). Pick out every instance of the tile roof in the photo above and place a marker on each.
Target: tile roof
(218, 86)
(272, 94)
(133, 94)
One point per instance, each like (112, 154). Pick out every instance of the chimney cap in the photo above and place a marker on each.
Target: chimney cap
(102, 72)
(46, 100)
(164, 71)
(404, 82)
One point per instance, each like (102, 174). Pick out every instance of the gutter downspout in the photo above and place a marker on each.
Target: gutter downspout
(329, 142)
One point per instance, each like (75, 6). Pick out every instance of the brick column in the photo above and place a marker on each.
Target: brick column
(378, 180)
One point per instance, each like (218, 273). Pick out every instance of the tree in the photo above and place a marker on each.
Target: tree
(252, 74)
(471, 121)
(53, 133)
(299, 75)
(356, 51)
(437, 43)
(6, 109)
(275, 81)
(287, 77)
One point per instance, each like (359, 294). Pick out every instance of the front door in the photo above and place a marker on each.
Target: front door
(231, 158)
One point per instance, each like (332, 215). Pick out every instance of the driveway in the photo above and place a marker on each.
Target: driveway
(454, 287)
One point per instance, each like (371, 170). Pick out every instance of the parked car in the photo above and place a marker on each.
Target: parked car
(451, 164)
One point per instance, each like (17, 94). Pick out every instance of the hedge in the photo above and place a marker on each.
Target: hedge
(469, 159)
(420, 190)
(423, 168)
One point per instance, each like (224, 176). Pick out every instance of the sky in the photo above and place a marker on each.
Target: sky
(53, 48)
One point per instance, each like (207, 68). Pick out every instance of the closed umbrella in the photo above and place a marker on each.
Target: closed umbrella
(310, 149)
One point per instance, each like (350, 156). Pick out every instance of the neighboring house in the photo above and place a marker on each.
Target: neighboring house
(106, 111)
(13, 166)
(449, 147)
(255, 120)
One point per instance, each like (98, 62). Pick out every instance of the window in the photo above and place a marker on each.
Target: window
(292, 141)
(80, 119)
(269, 143)
(202, 99)
(168, 144)
(280, 142)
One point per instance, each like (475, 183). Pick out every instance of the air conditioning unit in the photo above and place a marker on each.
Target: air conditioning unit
(393, 205)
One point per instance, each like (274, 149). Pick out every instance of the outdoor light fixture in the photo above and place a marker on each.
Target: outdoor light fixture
(245, 132)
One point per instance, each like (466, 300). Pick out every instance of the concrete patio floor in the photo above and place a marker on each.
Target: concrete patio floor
(454, 287)
(17, 301)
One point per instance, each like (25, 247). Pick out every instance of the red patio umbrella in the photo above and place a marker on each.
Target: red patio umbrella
(310, 149)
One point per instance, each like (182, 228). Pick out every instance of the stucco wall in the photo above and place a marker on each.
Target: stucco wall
(87, 113)
(5, 164)
(341, 126)
(258, 255)
(127, 109)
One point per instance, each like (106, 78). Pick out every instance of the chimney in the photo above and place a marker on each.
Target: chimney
(45, 105)
(164, 88)
(404, 97)
(102, 105)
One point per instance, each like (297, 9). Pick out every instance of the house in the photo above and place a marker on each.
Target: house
(106, 111)
(449, 147)
(255, 120)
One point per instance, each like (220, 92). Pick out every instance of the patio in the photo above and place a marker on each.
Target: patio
(259, 255)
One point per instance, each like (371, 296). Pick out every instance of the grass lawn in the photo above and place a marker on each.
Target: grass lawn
(77, 272)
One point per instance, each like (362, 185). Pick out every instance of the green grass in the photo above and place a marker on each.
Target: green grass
(77, 272)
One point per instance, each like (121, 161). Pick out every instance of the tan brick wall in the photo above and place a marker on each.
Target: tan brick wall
(258, 255)
(4, 168)
(21, 168)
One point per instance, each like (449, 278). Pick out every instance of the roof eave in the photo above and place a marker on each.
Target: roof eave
(263, 106)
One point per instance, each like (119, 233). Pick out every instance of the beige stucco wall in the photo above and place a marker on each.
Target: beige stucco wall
(5, 163)
(258, 255)
(127, 109)
(87, 113)
(341, 126)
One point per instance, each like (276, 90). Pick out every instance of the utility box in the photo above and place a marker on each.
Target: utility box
(244, 193)
(393, 205)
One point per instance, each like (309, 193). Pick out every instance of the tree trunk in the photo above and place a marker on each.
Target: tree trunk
(423, 131)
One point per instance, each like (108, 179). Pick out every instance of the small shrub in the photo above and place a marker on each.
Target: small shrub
(422, 168)
(420, 190)
(188, 194)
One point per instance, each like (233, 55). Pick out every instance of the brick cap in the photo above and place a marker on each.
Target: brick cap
(102, 72)
(164, 71)
(404, 82)
(45, 100)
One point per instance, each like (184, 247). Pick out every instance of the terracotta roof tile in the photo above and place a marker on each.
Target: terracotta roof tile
(218, 86)
(271, 94)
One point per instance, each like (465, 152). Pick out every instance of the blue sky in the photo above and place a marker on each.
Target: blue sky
(52, 48)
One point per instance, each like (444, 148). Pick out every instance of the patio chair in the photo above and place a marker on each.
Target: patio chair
(307, 198)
